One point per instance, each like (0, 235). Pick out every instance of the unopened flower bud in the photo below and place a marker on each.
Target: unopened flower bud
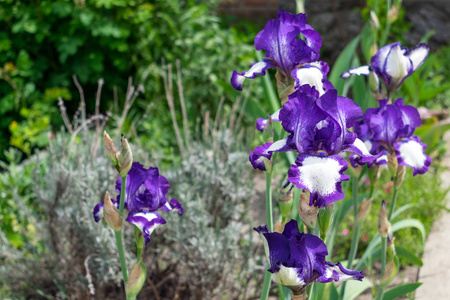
(384, 226)
(111, 214)
(392, 164)
(374, 20)
(401, 170)
(374, 83)
(390, 272)
(392, 15)
(308, 214)
(363, 210)
(286, 202)
(268, 130)
(125, 157)
(325, 219)
(110, 150)
(299, 297)
(136, 280)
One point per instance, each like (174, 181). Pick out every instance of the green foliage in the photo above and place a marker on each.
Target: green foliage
(44, 43)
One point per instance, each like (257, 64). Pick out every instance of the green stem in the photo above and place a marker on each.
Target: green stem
(356, 232)
(384, 240)
(388, 24)
(269, 216)
(123, 263)
(118, 234)
(266, 286)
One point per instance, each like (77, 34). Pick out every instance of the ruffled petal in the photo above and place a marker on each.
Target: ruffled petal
(259, 156)
(173, 204)
(411, 153)
(363, 70)
(258, 68)
(418, 54)
(311, 74)
(338, 273)
(280, 39)
(321, 176)
(146, 222)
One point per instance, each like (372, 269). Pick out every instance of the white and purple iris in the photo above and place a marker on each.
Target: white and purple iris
(389, 129)
(297, 259)
(145, 194)
(393, 63)
(294, 57)
(317, 127)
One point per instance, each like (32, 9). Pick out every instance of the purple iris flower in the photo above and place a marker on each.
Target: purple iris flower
(317, 127)
(285, 50)
(298, 259)
(259, 156)
(393, 63)
(389, 129)
(145, 194)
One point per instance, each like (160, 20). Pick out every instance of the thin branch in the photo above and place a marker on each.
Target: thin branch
(183, 107)
(64, 116)
(167, 77)
(97, 101)
(82, 101)
(206, 124)
(155, 291)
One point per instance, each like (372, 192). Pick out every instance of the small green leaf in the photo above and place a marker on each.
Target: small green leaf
(408, 256)
(355, 288)
(401, 290)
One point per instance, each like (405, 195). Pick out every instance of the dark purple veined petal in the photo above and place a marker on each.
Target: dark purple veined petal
(411, 153)
(280, 39)
(300, 116)
(259, 156)
(321, 176)
(147, 222)
(297, 259)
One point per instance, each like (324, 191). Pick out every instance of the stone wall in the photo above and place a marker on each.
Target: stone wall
(338, 21)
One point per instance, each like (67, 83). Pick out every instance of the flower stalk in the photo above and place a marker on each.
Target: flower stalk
(118, 234)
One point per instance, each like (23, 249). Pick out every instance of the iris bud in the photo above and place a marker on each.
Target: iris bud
(384, 226)
(308, 214)
(401, 170)
(136, 280)
(374, 20)
(325, 219)
(125, 157)
(111, 214)
(110, 150)
(363, 210)
(392, 164)
(286, 202)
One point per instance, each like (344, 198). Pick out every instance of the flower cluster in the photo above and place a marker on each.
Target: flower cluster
(146, 192)
(388, 130)
(298, 259)
(315, 118)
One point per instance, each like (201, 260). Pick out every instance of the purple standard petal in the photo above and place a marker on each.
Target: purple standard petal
(338, 273)
(300, 116)
(321, 176)
(410, 118)
(411, 153)
(280, 39)
(344, 112)
(146, 222)
(258, 68)
(259, 156)
(361, 153)
(378, 62)
(384, 123)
